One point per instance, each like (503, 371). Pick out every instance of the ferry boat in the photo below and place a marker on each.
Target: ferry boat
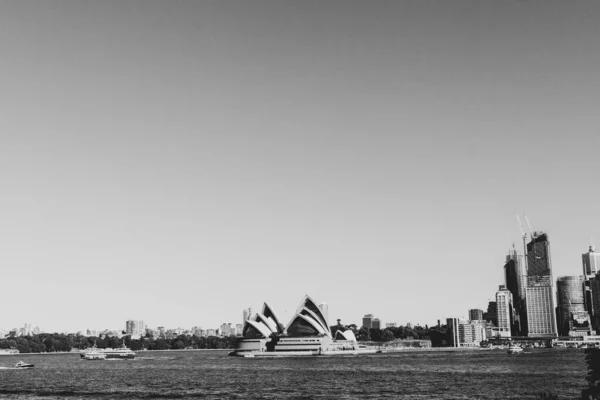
(514, 349)
(119, 353)
(94, 355)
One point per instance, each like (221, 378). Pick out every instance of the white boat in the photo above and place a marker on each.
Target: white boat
(22, 365)
(119, 353)
(514, 349)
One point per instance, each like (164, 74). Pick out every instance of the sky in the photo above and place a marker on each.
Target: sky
(178, 161)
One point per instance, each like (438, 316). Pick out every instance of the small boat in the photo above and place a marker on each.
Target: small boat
(249, 355)
(514, 349)
(22, 365)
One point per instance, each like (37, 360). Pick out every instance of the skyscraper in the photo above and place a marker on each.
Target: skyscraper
(515, 278)
(591, 266)
(504, 301)
(541, 321)
(571, 302)
(367, 319)
(591, 262)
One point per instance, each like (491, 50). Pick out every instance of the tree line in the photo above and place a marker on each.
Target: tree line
(57, 342)
(438, 335)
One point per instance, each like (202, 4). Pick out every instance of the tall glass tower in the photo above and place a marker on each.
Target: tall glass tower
(515, 278)
(541, 320)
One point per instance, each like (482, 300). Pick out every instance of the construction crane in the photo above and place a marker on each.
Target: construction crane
(524, 235)
(529, 226)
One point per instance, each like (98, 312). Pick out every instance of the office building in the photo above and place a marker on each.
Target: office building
(515, 278)
(491, 315)
(541, 320)
(474, 315)
(570, 298)
(367, 321)
(594, 287)
(590, 262)
(591, 266)
(504, 311)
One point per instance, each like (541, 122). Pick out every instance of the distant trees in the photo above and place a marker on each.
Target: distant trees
(56, 342)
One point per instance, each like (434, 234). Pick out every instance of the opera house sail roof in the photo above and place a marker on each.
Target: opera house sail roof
(308, 320)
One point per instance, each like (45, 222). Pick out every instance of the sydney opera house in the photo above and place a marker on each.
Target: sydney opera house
(307, 333)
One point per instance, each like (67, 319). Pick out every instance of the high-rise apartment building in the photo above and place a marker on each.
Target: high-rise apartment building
(541, 321)
(570, 298)
(376, 323)
(504, 302)
(475, 315)
(367, 321)
(135, 328)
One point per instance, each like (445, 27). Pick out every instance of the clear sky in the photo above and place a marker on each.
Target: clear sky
(177, 161)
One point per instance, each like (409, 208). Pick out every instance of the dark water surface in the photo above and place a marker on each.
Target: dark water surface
(486, 374)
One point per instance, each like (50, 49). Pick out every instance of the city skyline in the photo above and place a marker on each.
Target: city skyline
(161, 162)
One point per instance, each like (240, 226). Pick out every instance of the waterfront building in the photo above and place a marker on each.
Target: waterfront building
(367, 321)
(475, 314)
(515, 278)
(541, 320)
(464, 333)
(570, 298)
(504, 311)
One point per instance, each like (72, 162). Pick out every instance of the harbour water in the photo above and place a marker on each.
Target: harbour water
(483, 374)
